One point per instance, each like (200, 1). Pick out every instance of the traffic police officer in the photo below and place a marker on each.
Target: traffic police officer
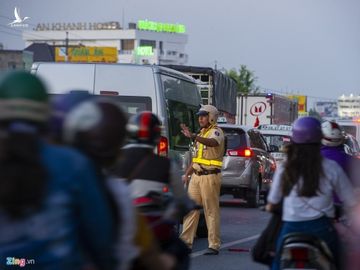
(205, 173)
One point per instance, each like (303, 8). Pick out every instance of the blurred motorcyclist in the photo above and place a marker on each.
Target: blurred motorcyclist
(306, 182)
(50, 200)
(148, 172)
(333, 148)
(97, 128)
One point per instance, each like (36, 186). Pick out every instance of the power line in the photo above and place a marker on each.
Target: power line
(8, 33)
(28, 33)
(267, 90)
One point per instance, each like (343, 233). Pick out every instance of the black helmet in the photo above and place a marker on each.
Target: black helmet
(144, 127)
(96, 128)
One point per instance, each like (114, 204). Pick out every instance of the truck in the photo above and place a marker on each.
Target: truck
(216, 89)
(269, 109)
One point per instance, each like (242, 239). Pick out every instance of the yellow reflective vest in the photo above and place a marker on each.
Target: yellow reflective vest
(199, 157)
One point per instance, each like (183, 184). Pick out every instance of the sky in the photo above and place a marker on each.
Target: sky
(309, 47)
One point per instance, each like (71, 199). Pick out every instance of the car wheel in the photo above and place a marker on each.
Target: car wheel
(202, 231)
(253, 197)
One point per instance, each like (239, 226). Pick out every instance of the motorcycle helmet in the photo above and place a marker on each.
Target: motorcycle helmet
(211, 111)
(332, 134)
(60, 106)
(96, 128)
(306, 130)
(144, 128)
(23, 97)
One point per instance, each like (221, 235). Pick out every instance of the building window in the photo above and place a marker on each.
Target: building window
(144, 42)
(127, 44)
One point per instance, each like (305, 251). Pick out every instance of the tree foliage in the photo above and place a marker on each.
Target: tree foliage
(245, 80)
(315, 114)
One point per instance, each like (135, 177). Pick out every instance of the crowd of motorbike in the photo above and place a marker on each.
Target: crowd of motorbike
(70, 194)
(81, 187)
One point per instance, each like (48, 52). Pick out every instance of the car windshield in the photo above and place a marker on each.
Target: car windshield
(236, 138)
(279, 141)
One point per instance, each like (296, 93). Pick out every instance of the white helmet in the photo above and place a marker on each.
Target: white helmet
(211, 111)
(332, 134)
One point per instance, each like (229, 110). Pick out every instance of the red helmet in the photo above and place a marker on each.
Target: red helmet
(144, 127)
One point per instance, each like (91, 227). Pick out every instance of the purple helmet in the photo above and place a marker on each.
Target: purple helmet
(306, 130)
(60, 106)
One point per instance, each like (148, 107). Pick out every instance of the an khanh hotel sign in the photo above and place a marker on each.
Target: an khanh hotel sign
(61, 26)
(143, 25)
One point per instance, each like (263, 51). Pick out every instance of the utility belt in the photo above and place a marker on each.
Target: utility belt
(207, 172)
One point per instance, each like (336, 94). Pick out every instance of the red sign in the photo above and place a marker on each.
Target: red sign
(258, 108)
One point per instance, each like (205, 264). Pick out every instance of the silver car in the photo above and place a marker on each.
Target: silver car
(248, 167)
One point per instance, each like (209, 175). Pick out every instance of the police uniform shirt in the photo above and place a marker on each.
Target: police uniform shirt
(211, 153)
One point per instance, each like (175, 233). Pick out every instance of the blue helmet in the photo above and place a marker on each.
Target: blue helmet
(61, 105)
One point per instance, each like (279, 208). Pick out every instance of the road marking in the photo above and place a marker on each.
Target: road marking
(244, 240)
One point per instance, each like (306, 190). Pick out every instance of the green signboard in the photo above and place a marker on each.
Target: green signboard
(144, 51)
(161, 27)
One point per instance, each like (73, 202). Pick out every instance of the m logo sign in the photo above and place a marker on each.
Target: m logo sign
(258, 109)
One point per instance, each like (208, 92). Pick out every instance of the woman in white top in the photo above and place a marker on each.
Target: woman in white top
(306, 182)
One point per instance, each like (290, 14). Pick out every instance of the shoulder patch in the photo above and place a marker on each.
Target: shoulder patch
(217, 133)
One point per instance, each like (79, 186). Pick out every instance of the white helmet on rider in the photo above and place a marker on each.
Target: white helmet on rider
(332, 134)
(211, 111)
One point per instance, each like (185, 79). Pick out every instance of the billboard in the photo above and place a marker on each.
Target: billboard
(302, 102)
(326, 108)
(87, 54)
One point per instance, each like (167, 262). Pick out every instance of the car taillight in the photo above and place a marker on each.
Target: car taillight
(299, 256)
(142, 200)
(244, 152)
(273, 166)
(165, 189)
(163, 147)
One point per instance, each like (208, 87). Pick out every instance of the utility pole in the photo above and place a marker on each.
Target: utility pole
(67, 46)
